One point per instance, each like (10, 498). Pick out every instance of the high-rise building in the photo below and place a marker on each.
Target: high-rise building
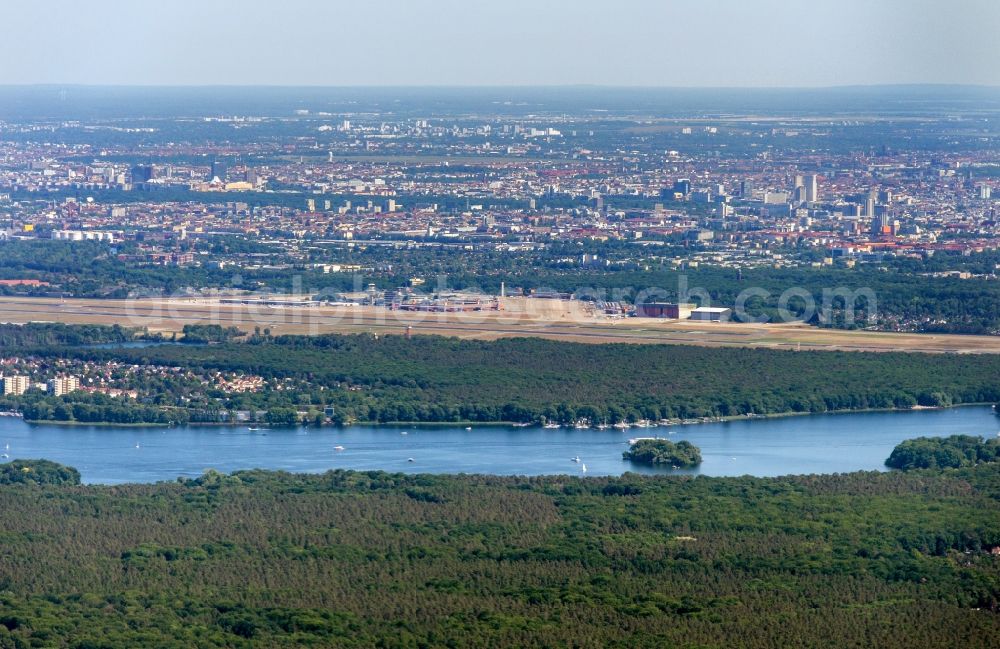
(984, 192)
(746, 189)
(811, 183)
(682, 186)
(142, 173)
(15, 384)
(851, 209)
(63, 385)
(219, 170)
(882, 226)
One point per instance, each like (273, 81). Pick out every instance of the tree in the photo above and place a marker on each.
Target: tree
(38, 472)
(943, 452)
(282, 416)
(664, 452)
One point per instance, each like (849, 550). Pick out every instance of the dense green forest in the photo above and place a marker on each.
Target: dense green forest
(41, 334)
(213, 333)
(943, 452)
(347, 559)
(91, 408)
(431, 378)
(664, 452)
(37, 472)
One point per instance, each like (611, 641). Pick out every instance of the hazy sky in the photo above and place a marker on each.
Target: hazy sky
(500, 42)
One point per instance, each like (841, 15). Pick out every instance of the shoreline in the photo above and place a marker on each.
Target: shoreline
(103, 424)
(489, 424)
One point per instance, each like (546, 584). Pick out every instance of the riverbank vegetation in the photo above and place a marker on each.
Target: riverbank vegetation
(663, 452)
(943, 452)
(346, 559)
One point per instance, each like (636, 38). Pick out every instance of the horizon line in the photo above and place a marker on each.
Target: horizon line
(529, 86)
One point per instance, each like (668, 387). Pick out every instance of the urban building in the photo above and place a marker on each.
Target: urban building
(663, 310)
(219, 170)
(63, 385)
(712, 314)
(15, 384)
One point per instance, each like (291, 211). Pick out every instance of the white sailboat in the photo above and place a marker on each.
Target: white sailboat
(583, 468)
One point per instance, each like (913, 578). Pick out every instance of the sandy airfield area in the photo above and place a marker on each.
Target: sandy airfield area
(560, 320)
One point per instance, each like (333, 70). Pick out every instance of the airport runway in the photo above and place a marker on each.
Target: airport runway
(553, 323)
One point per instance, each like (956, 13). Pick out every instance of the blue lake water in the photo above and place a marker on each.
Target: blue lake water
(762, 447)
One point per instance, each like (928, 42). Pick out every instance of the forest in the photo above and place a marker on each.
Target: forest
(664, 452)
(37, 472)
(48, 334)
(436, 379)
(953, 451)
(344, 559)
(361, 378)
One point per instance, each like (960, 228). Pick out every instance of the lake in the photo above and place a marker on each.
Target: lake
(828, 443)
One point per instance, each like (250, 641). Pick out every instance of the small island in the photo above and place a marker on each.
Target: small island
(952, 452)
(37, 472)
(658, 452)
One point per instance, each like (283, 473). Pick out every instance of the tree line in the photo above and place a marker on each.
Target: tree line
(346, 559)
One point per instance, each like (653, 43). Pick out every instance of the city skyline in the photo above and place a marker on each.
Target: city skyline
(766, 44)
